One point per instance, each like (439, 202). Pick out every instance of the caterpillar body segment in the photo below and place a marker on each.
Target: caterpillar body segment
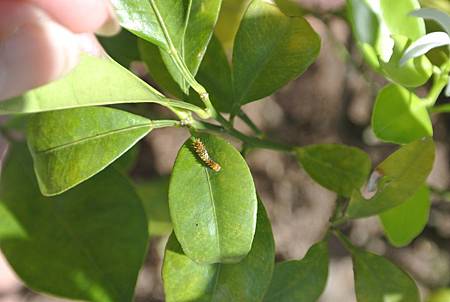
(202, 153)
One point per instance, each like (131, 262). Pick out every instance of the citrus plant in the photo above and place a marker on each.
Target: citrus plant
(72, 224)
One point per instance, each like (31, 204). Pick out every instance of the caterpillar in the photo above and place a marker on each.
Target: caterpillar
(202, 153)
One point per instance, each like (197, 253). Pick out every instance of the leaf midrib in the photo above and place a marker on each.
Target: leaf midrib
(92, 137)
(213, 207)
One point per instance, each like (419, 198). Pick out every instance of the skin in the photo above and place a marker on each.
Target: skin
(40, 40)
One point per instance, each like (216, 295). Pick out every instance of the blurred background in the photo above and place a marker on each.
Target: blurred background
(330, 103)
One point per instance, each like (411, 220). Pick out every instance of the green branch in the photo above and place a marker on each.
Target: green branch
(440, 80)
(248, 140)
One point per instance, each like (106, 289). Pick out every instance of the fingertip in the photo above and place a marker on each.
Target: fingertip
(79, 16)
(34, 52)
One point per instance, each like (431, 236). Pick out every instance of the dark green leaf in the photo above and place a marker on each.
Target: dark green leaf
(215, 75)
(248, 280)
(94, 81)
(72, 145)
(403, 223)
(300, 280)
(379, 280)
(336, 167)
(128, 160)
(270, 49)
(396, 179)
(399, 116)
(213, 213)
(157, 69)
(121, 47)
(290, 7)
(181, 29)
(87, 244)
(154, 198)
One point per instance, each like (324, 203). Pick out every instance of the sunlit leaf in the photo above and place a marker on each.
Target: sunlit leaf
(399, 116)
(87, 244)
(213, 212)
(186, 280)
(403, 223)
(395, 180)
(72, 145)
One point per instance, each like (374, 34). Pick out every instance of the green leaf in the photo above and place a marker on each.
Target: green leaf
(300, 280)
(72, 145)
(95, 81)
(128, 160)
(121, 47)
(290, 7)
(404, 223)
(230, 16)
(157, 69)
(336, 167)
(399, 116)
(200, 27)
(154, 198)
(185, 280)
(396, 179)
(87, 244)
(379, 280)
(213, 213)
(366, 27)
(270, 49)
(378, 26)
(149, 20)
(440, 295)
(413, 73)
(181, 29)
(397, 17)
(215, 75)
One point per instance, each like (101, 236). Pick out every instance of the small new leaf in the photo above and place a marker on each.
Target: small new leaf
(425, 44)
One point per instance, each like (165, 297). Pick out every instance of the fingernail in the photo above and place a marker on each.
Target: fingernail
(88, 43)
(111, 26)
(36, 53)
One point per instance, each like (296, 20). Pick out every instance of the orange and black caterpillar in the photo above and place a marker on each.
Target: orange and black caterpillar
(202, 153)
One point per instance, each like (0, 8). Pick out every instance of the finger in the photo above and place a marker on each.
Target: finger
(81, 16)
(34, 49)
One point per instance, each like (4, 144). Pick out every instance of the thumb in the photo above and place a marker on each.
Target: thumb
(34, 49)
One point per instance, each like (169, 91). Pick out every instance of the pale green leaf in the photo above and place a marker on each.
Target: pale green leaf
(72, 145)
(213, 213)
(186, 280)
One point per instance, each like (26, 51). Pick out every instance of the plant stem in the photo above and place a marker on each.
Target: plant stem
(246, 119)
(248, 140)
(440, 80)
(183, 105)
(155, 124)
(344, 240)
(338, 216)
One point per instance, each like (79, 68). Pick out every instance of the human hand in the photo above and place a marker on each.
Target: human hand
(40, 40)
